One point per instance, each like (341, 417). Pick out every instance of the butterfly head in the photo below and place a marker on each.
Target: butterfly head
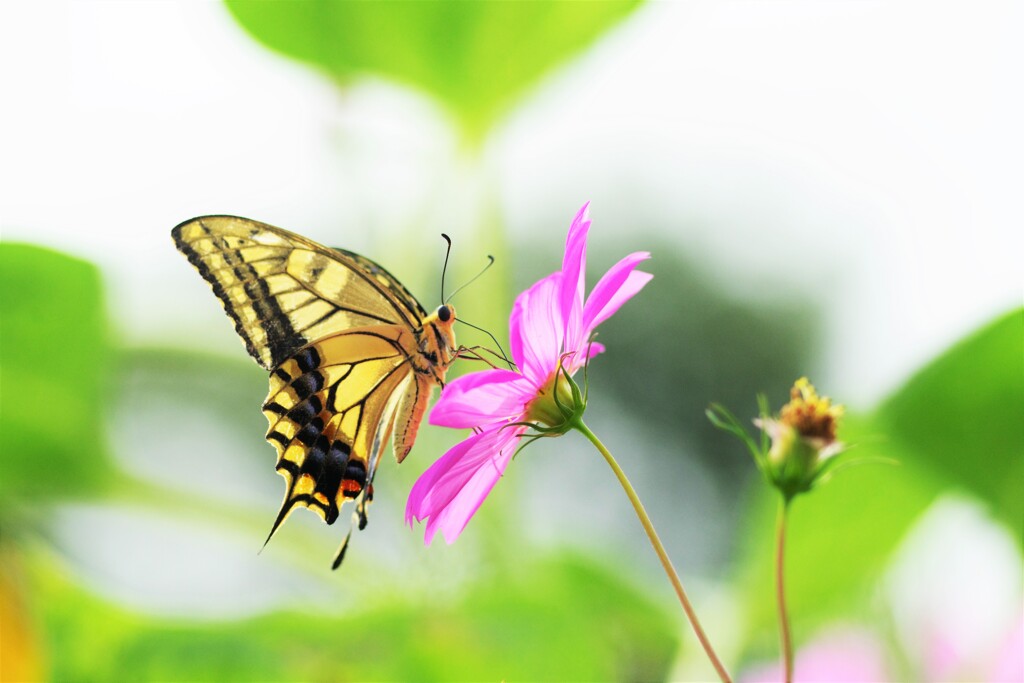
(440, 344)
(443, 319)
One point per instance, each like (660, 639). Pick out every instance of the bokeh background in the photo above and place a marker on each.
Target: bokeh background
(830, 189)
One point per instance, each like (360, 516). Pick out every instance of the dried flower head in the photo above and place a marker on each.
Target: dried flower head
(812, 416)
(798, 447)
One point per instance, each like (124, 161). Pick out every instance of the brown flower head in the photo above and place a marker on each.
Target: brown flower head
(812, 416)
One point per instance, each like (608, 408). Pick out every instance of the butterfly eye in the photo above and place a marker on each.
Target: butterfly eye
(444, 314)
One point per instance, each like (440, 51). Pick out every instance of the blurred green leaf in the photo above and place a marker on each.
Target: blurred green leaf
(955, 424)
(54, 362)
(839, 540)
(477, 58)
(963, 416)
(555, 620)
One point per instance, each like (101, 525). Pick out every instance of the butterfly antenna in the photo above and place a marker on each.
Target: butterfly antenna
(494, 339)
(444, 269)
(490, 262)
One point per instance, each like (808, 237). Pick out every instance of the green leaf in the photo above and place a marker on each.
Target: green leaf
(477, 58)
(963, 416)
(558, 619)
(840, 537)
(54, 360)
(722, 417)
(956, 424)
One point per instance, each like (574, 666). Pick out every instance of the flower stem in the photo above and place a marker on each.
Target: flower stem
(673, 577)
(780, 592)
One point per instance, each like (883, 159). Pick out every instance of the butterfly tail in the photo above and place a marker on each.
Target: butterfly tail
(340, 555)
(286, 509)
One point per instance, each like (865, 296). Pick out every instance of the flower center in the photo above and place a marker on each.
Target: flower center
(810, 415)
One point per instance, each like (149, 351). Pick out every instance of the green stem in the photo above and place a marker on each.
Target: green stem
(673, 577)
(780, 592)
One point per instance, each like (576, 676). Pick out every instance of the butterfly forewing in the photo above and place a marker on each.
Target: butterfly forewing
(353, 356)
(284, 291)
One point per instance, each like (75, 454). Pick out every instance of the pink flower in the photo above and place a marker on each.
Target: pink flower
(841, 656)
(550, 328)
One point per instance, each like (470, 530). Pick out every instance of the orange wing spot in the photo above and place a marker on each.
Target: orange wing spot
(351, 486)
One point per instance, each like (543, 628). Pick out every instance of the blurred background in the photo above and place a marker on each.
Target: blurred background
(830, 189)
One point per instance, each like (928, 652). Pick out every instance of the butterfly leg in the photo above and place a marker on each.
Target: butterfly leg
(475, 353)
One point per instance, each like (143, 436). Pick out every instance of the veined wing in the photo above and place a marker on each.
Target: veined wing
(352, 354)
(332, 408)
(284, 291)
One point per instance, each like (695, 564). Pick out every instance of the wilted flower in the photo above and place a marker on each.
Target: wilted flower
(803, 439)
(798, 447)
(550, 333)
(795, 451)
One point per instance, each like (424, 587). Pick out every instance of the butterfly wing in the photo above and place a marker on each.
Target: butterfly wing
(331, 408)
(284, 291)
(353, 355)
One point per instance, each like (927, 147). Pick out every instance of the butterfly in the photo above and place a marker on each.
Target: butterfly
(353, 356)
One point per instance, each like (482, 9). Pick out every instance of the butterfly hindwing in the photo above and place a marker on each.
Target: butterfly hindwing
(330, 410)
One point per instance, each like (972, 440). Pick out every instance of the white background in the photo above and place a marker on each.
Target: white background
(868, 153)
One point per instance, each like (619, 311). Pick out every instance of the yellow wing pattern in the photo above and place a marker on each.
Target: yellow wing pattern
(283, 290)
(353, 356)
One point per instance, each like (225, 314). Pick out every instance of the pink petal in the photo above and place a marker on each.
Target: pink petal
(843, 656)
(1009, 660)
(450, 492)
(574, 268)
(575, 361)
(615, 288)
(482, 398)
(423, 500)
(535, 329)
(574, 261)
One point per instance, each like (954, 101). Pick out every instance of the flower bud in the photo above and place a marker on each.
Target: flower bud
(803, 438)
